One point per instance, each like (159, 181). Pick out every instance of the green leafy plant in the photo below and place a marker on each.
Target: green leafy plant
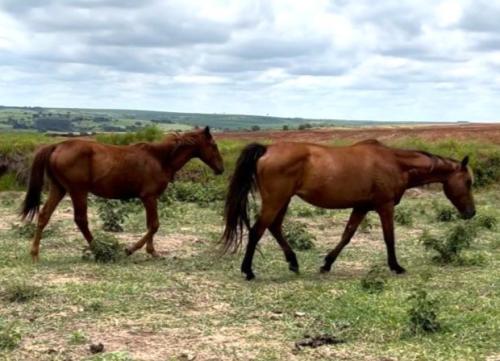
(10, 335)
(105, 248)
(445, 213)
(77, 338)
(449, 247)
(20, 291)
(422, 312)
(298, 237)
(375, 280)
(403, 216)
(486, 221)
(113, 214)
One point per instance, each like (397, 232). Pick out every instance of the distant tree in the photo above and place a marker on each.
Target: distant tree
(305, 126)
(285, 127)
(255, 128)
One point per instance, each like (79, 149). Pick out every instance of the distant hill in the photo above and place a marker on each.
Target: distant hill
(115, 120)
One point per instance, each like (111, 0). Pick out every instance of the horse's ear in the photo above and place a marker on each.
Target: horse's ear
(207, 131)
(465, 161)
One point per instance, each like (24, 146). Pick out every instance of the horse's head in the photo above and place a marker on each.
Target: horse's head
(457, 188)
(209, 152)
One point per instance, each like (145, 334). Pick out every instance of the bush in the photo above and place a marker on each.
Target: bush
(10, 335)
(113, 214)
(445, 213)
(454, 242)
(77, 338)
(487, 170)
(298, 237)
(375, 279)
(486, 221)
(105, 248)
(422, 313)
(403, 216)
(202, 194)
(20, 291)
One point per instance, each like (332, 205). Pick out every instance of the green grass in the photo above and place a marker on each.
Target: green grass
(196, 302)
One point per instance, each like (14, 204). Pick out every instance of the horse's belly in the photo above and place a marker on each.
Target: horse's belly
(335, 198)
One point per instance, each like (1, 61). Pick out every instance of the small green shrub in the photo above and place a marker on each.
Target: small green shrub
(422, 312)
(449, 247)
(113, 214)
(202, 194)
(403, 216)
(298, 237)
(446, 213)
(375, 279)
(487, 170)
(20, 291)
(105, 248)
(10, 335)
(486, 221)
(77, 338)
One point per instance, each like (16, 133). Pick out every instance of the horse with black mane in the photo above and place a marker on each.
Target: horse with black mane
(142, 170)
(365, 176)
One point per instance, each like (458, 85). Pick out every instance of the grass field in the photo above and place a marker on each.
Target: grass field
(193, 304)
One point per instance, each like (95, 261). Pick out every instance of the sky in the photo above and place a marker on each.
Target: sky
(336, 59)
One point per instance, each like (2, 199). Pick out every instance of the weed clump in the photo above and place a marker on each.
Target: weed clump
(298, 237)
(446, 214)
(20, 291)
(375, 280)
(104, 248)
(450, 247)
(403, 216)
(10, 335)
(486, 221)
(113, 214)
(422, 313)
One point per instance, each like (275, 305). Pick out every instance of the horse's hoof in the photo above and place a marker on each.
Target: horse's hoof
(324, 269)
(294, 268)
(154, 254)
(35, 258)
(128, 251)
(398, 270)
(250, 276)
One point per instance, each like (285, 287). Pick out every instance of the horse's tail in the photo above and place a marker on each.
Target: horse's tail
(242, 183)
(31, 202)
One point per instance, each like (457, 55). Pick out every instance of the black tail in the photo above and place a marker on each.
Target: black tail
(242, 183)
(31, 202)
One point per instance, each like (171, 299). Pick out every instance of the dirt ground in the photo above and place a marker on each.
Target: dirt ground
(480, 132)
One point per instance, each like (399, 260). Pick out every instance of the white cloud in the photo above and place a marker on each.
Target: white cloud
(387, 60)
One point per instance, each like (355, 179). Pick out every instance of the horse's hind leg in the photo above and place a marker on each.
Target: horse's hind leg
(355, 219)
(276, 229)
(79, 200)
(56, 193)
(153, 224)
(266, 218)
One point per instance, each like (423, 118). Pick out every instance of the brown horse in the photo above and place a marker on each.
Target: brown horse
(142, 170)
(365, 176)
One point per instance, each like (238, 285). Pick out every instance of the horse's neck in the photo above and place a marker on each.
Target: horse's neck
(173, 156)
(424, 169)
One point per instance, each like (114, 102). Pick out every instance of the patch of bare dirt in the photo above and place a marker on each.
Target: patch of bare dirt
(480, 132)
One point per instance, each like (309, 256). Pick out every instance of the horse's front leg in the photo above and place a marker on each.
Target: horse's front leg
(150, 204)
(386, 213)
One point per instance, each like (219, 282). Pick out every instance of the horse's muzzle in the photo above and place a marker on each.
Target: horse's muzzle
(468, 214)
